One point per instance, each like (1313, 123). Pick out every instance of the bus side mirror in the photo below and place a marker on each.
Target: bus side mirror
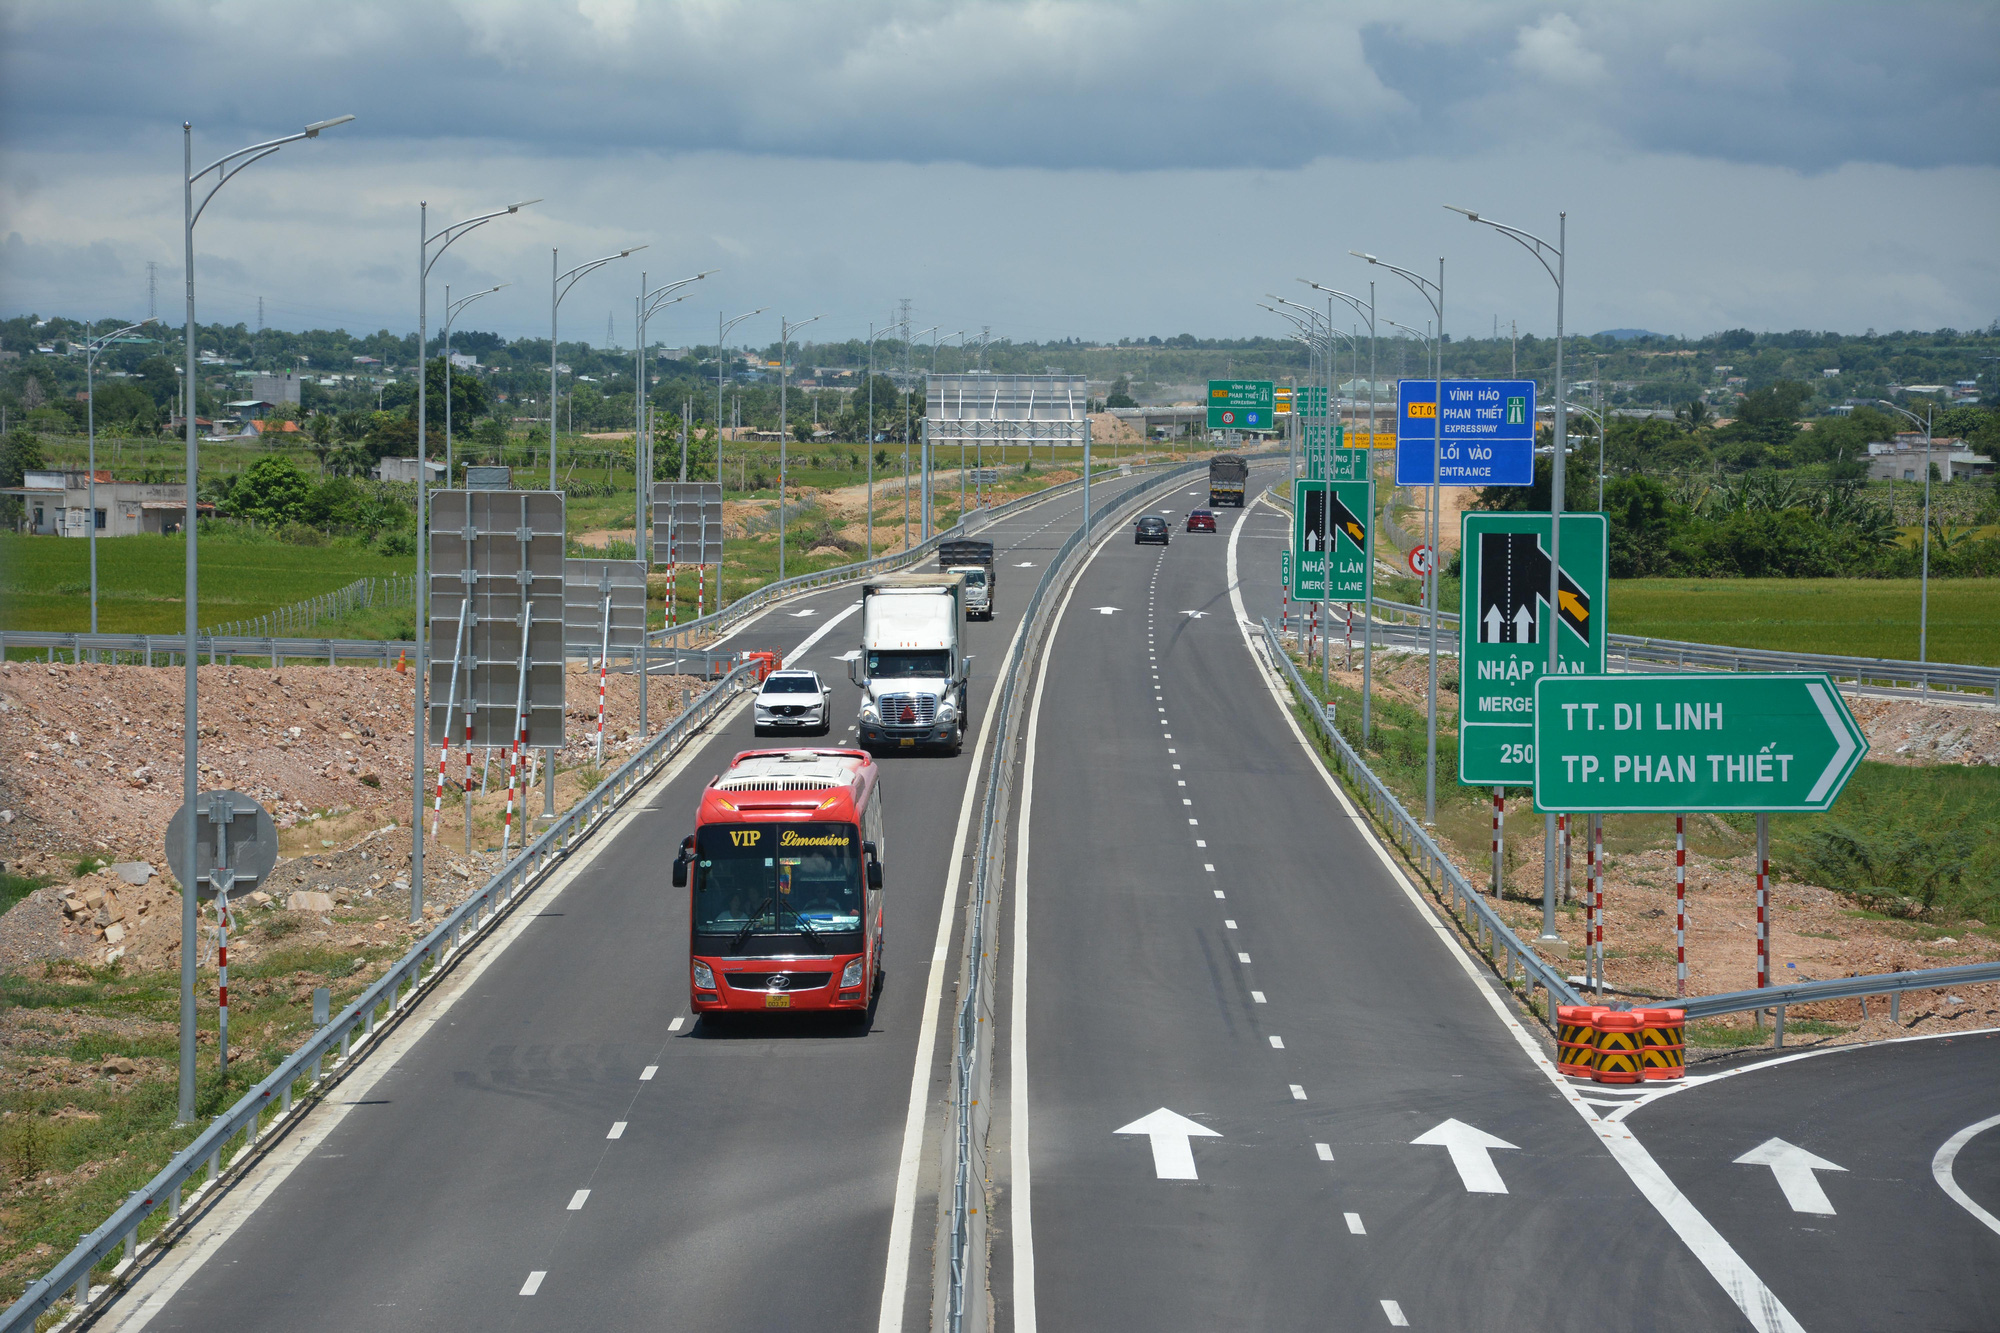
(681, 863)
(874, 865)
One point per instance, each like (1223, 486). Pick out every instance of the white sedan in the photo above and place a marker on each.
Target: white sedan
(792, 701)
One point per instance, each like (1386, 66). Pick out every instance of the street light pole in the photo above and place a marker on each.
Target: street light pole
(451, 309)
(722, 328)
(1924, 584)
(91, 347)
(1558, 470)
(430, 248)
(873, 338)
(559, 285)
(1433, 294)
(785, 332)
(1368, 608)
(648, 305)
(225, 169)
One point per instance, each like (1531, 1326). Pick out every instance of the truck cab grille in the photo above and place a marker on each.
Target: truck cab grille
(909, 710)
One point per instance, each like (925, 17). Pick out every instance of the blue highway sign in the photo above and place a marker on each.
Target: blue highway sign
(1489, 432)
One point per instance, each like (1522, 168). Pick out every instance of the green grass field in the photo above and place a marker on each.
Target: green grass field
(1852, 617)
(45, 581)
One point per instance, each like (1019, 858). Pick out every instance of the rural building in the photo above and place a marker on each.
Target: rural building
(57, 504)
(405, 469)
(283, 388)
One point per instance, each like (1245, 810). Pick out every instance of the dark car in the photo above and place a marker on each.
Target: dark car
(1201, 520)
(1151, 529)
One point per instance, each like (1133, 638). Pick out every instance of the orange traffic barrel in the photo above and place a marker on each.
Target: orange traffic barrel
(767, 663)
(1662, 1043)
(1576, 1038)
(1617, 1048)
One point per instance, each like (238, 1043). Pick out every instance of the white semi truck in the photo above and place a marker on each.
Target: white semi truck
(911, 669)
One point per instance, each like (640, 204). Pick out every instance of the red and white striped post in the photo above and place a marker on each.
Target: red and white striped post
(1562, 845)
(1680, 905)
(1763, 905)
(513, 776)
(1597, 882)
(1589, 906)
(222, 977)
(700, 590)
(1499, 826)
(468, 776)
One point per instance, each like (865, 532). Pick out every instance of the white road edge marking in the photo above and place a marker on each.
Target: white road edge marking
(1354, 1227)
(617, 1129)
(534, 1282)
(1020, 1207)
(576, 1200)
(1759, 1304)
(162, 1281)
(646, 1074)
(902, 1221)
(1395, 1313)
(1941, 1172)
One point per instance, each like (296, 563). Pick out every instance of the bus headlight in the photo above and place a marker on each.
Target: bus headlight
(704, 979)
(850, 977)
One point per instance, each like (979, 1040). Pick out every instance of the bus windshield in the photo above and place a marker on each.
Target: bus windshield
(762, 879)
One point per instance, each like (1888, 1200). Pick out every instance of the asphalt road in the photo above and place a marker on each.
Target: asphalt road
(1207, 932)
(751, 1181)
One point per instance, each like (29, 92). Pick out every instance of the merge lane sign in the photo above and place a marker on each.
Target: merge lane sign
(1504, 623)
(1488, 428)
(1770, 743)
(1242, 405)
(1330, 523)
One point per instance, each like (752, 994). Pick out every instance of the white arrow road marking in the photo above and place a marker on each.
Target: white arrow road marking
(849, 655)
(1842, 733)
(1173, 1151)
(1941, 1171)
(1104, 610)
(1025, 564)
(797, 615)
(1194, 615)
(798, 654)
(1470, 1150)
(1794, 1167)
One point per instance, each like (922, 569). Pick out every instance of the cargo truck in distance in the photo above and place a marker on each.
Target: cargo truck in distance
(911, 669)
(1227, 476)
(973, 559)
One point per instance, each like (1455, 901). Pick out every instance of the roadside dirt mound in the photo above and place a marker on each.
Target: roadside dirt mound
(1912, 731)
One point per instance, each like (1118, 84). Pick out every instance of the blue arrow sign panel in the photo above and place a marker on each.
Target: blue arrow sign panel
(1488, 429)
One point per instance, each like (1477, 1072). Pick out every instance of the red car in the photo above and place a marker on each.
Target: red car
(1201, 520)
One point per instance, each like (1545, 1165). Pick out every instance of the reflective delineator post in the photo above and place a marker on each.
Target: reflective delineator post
(1589, 904)
(1499, 827)
(603, 668)
(451, 702)
(222, 978)
(1763, 903)
(1680, 905)
(1597, 888)
(1562, 850)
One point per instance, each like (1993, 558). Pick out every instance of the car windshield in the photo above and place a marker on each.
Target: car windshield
(1151, 523)
(906, 664)
(791, 685)
(768, 878)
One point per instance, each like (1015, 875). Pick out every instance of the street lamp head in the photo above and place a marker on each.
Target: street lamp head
(312, 130)
(1361, 255)
(515, 208)
(1470, 216)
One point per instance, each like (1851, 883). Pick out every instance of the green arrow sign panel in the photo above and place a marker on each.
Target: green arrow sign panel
(1504, 624)
(1697, 740)
(1330, 517)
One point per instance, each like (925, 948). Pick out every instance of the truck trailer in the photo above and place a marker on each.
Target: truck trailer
(1227, 476)
(973, 559)
(911, 668)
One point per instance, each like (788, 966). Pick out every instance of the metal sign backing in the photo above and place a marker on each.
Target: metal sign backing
(238, 827)
(496, 556)
(687, 523)
(586, 585)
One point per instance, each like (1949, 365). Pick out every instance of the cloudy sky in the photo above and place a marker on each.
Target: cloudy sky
(1046, 169)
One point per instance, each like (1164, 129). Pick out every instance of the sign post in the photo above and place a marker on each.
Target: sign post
(1504, 625)
(1242, 405)
(235, 847)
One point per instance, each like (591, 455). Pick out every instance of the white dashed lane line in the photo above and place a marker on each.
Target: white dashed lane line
(617, 1130)
(646, 1074)
(1354, 1227)
(576, 1200)
(534, 1282)
(1298, 1090)
(1325, 1151)
(1277, 1042)
(1395, 1313)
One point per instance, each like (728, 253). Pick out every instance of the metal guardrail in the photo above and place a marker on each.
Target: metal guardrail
(959, 1291)
(1721, 656)
(1892, 984)
(271, 1103)
(1484, 923)
(166, 649)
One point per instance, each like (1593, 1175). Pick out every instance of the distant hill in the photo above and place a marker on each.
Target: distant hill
(1622, 335)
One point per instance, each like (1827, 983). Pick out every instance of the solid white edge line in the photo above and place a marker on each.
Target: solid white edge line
(1020, 1206)
(902, 1221)
(1759, 1304)
(1941, 1172)
(153, 1289)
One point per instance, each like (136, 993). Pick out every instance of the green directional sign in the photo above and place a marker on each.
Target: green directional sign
(1330, 519)
(1505, 621)
(1285, 569)
(1698, 740)
(1242, 405)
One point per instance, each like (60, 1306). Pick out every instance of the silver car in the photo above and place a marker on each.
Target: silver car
(792, 701)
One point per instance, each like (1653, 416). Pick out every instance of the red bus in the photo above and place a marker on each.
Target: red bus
(785, 910)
